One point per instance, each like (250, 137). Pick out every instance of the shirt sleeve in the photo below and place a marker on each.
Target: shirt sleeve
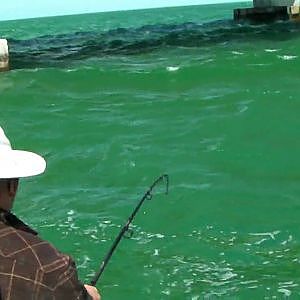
(67, 284)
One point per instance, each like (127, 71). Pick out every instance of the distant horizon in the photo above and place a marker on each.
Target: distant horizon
(11, 11)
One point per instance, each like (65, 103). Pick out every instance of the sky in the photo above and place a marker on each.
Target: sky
(22, 9)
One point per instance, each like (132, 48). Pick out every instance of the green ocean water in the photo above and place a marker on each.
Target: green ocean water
(113, 100)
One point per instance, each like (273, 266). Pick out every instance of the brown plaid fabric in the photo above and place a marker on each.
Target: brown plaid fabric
(32, 269)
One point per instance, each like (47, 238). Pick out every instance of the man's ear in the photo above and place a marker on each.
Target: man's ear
(13, 186)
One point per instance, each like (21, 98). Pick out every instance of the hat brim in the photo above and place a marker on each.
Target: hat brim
(19, 164)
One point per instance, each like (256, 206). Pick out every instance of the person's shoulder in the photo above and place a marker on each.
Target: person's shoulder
(37, 266)
(16, 244)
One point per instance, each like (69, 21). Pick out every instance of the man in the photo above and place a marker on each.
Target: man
(30, 268)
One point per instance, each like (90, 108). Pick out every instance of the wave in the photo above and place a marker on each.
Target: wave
(63, 49)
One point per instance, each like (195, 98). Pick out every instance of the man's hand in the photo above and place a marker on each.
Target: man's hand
(93, 292)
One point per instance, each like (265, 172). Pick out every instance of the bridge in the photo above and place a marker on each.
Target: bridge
(262, 11)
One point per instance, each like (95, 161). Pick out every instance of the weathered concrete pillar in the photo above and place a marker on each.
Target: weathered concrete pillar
(4, 56)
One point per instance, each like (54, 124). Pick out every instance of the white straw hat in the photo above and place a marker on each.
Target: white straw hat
(18, 163)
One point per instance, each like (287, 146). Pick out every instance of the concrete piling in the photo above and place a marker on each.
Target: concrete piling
(269, 11)
(4, 55)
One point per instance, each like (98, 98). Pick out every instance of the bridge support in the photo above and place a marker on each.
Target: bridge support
(269, 11)
(4, 55)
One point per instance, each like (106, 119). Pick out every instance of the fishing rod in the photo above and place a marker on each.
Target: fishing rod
(147, 196)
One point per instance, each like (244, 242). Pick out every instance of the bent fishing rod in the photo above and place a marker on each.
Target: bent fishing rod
(147, 196)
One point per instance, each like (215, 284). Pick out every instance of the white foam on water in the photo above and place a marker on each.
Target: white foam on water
(271, 50)
(172, 69)
(287, 57)
(237, 53)
(286, 292)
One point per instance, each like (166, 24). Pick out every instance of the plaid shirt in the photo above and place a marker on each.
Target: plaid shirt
(32, 269)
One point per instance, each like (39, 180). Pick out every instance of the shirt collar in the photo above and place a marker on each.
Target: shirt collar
(10, 219)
